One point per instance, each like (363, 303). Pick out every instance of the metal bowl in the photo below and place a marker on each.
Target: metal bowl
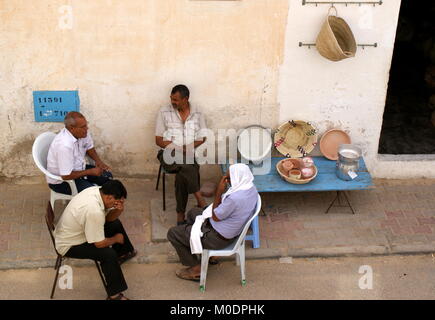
(254, 143)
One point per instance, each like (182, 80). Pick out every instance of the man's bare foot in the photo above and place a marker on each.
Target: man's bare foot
(191, 273)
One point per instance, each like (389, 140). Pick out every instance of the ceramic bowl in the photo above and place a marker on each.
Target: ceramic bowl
(287, 165)
(307, 172)
(289, 179)
(307, 162)
(330, 142)
(294, 174)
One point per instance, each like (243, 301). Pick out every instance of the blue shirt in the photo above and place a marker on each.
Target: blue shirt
(234, 212)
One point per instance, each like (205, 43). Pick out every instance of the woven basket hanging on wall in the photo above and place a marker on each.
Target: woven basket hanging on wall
(335, 40)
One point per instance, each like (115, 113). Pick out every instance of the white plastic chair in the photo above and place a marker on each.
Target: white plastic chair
(237, 247)
(39, 152)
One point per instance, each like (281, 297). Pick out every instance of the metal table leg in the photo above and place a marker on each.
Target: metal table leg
(339, 202)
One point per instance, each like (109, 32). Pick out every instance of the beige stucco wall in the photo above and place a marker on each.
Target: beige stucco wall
(124, 57)
(240, 59)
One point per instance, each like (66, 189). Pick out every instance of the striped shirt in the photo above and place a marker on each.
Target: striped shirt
(170, 126)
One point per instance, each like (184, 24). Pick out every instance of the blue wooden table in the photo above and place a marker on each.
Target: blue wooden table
(326, 180)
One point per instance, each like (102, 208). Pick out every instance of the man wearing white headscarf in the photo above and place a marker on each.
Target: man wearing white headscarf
(215, 227)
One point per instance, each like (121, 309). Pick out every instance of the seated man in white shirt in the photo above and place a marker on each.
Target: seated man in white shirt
(66, 157)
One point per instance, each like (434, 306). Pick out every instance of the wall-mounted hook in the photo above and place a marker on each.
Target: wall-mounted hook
(309, 45)
(333, 7)
(363, 45)
(374, 3)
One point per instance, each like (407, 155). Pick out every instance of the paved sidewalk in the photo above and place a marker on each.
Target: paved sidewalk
(396, 217)
(24, 238)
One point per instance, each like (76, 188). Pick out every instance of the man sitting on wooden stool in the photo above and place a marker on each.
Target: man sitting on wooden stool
(87, 229)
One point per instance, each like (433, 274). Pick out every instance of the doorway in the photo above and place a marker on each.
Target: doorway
(409, 117)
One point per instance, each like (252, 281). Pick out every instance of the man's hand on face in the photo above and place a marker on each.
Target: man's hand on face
(222, 184)
(119, 204)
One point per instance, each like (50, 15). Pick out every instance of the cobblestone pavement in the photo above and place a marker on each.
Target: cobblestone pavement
(395, 217)
(24, 238)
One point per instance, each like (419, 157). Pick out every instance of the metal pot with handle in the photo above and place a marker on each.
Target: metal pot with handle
(348, 161)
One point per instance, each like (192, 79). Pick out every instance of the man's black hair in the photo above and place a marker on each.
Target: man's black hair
(182, 89)
(114, 188)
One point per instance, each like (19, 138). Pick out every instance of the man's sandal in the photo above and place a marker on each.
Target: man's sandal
(213, 261)
(119, 296)
(127, 256)
(186, 275)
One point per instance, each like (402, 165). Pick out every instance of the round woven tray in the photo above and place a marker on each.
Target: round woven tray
(295, 138)
(292, 180)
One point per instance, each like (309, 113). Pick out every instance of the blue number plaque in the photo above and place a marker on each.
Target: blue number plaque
(52, 106)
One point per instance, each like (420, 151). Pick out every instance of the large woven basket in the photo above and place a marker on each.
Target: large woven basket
(335, 40)
(295, 138)
(292, 180)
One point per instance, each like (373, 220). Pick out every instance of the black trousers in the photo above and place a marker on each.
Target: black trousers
(186, 180)
(82, 183)
(179, 236)
(108, 257)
